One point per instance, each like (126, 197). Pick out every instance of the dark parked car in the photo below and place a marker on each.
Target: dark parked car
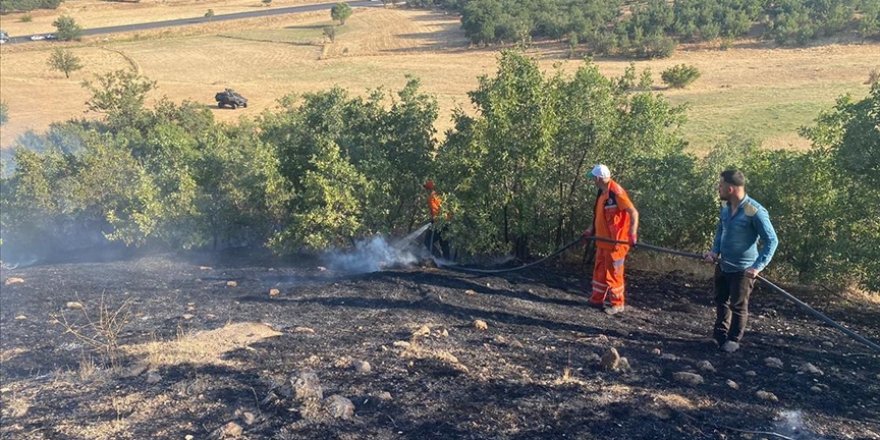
(230, 98)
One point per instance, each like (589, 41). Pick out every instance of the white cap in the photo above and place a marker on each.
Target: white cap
(601, 171)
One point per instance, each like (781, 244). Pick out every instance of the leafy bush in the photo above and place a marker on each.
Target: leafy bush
(67, 28)
(680, 76)
(210, 13)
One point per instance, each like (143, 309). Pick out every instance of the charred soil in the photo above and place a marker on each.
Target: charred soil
(206, 342)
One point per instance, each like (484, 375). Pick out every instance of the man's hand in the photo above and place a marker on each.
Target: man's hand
(710, 257)
(752, 273)
(633, 238)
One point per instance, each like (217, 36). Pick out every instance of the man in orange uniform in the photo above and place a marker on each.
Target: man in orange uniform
(433, 235)
(614, 218)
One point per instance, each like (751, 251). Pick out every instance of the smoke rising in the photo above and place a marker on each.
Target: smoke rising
(376, 253)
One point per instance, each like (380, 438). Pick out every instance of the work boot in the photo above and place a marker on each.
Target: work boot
(613, 310)
(730, 346)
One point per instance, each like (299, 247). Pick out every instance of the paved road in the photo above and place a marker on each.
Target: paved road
(196, 20)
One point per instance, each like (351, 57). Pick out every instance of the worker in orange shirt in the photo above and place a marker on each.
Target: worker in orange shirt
(614, 218)
(434, 235)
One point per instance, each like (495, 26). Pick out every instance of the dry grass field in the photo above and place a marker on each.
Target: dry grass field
(750, 89)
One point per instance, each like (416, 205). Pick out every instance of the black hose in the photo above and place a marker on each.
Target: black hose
(692, 255)
(511, 269)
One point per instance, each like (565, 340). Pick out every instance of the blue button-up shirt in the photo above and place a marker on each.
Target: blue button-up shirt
(736, 237)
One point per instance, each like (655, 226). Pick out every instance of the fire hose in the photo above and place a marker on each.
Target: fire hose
(817, 314)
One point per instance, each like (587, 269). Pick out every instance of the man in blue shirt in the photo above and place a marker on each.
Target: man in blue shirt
(735, 249)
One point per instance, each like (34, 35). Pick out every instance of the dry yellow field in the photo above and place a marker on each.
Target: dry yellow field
(760, 92)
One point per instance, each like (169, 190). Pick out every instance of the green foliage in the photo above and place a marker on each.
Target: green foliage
(210, 13)
(340, 12)
(4, 113)
(64, 61)
(680, 76)
(27, 5)
(120, 95)
(266, 2)
(26, 18)
(67, 28)
(330, 33)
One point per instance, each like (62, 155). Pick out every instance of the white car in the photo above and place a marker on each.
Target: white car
(37, 37)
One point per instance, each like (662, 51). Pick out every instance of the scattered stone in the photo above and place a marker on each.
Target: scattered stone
(274, 292)
(301, 329)
(773, 362)
(248, 417)
(623, 364)
(732, 384)
(816, 389)
(136, 369)
(307, 387)
(827, 344)
(343, 362)
(362, 367)
(470, 292)
(229, 430)
(313, 360)
(339, 407)
(592, 358)
(188, 316)
(811, 369)
(481, 325)
(188, 437)
(232, 284)
(444, 333)
(13, 280)
(422, 332)
(688, 378)
(669, 357)
(610, 359)
(206, 268)
(751, 373)
(74, 305)
(401, 344)
(153, 378)
(706, 366)
(516, 344)
(322, 269)
(20, 318)
(768, 396)
(656, 352)
(384, 395)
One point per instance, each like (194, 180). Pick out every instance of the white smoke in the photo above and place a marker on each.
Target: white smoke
(376, 254)
(791, 423)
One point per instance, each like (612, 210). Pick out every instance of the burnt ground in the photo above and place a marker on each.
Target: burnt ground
(533, 374)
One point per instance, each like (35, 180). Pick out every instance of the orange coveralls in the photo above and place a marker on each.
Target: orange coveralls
(610, 220)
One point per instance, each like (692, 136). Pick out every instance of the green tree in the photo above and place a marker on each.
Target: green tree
(120, 95)
(340, 12)
(4, 113)
(680, 76)
(330, 33)
(65, 61)
(67, 28)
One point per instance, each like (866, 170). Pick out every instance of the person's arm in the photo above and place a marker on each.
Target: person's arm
(769, 241)
(627, 205)
(712, 255)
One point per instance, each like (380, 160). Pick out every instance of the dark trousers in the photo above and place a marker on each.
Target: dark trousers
(434, 235)
(732, 292)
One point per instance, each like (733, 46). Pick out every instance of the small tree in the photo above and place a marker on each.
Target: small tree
(65, 61)
(340, 12)
(330, 33)
(68, 29)
(680, 76)
(267, 2)
(4, 113)
(120, 95)
(209, 14)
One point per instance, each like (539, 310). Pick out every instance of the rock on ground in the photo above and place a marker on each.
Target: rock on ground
(768, 396)
(339, 407)
(706, 366)
(773, 362)
(811, 369)
(688, 378)
(307, 386)
(610, 360)
(481, 325)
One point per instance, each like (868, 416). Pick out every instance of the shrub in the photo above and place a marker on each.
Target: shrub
(210, 13)
(680, 76)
